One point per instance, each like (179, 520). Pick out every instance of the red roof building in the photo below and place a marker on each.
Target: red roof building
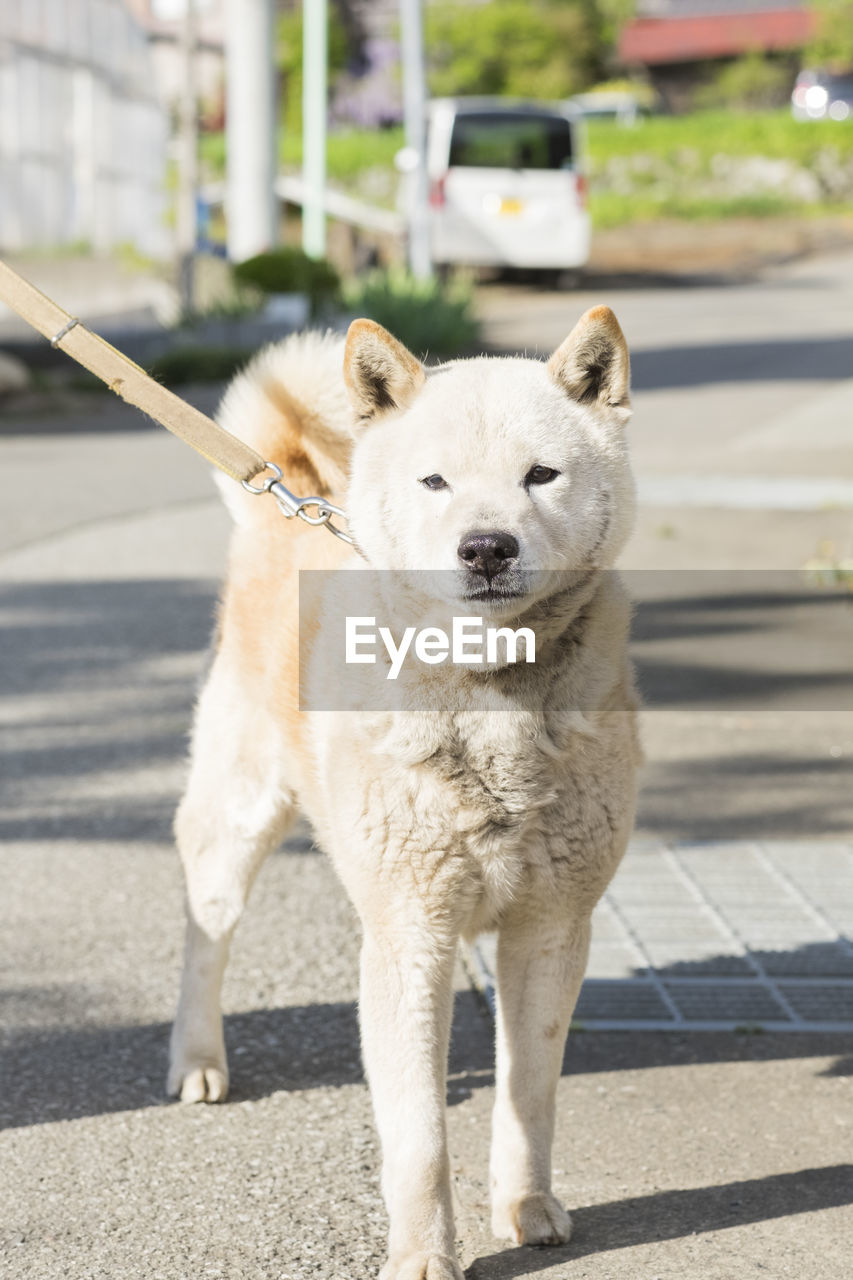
(696, 37)
(677, 40)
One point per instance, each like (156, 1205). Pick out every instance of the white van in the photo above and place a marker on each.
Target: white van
(507, 187)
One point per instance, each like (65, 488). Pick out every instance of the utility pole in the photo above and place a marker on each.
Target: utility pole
(186, 213)
(250, 142)
(414, 118)
(315, 54)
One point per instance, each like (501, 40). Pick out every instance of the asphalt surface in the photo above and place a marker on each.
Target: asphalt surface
(683, 1153)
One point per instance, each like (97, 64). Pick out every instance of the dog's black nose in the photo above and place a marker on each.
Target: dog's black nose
(487, 553)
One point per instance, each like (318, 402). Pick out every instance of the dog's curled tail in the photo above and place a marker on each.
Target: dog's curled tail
(290, 404)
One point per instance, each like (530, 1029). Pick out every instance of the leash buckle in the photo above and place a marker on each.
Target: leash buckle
(290, 505)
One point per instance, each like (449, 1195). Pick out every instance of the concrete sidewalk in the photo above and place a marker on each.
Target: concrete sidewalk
(730, 936)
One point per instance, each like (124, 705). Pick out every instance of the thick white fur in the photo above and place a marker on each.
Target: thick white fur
(501, 799)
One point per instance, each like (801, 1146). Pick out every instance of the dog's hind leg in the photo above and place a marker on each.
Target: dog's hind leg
(540, 965)
(235, 810)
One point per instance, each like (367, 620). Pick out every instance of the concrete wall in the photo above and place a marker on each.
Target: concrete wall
(83, 137)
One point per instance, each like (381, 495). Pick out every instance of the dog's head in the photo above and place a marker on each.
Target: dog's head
(507, 474)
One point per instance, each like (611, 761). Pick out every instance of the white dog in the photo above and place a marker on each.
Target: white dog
(501, 798)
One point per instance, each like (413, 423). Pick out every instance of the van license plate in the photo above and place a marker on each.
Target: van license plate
(510, 207)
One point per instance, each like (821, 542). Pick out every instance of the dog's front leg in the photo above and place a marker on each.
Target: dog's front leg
(540, 966)
(406, 998)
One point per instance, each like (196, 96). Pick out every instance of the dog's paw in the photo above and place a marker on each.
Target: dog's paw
(534, 1219)
(198, 1084)
(422, 1266)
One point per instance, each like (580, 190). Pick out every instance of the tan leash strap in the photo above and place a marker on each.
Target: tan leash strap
(127, 379)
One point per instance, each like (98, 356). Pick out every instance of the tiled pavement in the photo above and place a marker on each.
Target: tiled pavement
(717, 937)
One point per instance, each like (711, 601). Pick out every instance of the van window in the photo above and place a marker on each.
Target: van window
(839, 86)
(508, 140)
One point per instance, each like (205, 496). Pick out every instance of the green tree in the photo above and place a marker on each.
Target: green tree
(523, 48)
(832, 43)
(289, 60)
(615, 14)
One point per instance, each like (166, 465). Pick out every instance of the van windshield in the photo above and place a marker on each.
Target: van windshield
(509, 140)
(840, 86)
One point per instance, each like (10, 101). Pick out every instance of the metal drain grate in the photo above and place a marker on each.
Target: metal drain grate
(718, 937)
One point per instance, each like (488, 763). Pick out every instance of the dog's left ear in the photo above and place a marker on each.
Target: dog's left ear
(380, 374)
(592, 366)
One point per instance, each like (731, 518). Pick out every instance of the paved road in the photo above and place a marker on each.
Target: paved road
(746, 379)
(743, 446)
(688, 1154)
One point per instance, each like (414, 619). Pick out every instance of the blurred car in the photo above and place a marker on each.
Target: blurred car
(820, 95)
(610, 104)
(506, 184)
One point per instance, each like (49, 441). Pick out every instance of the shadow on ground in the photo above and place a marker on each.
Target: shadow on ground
(671, 1215)
(65, 1073)
(816, 359)
(86, 408)
(667, 368)
(743, 639)
(99, 680)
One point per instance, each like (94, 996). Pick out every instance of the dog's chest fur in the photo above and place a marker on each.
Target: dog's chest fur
(507, 785)
(493, 811)
(492, 778)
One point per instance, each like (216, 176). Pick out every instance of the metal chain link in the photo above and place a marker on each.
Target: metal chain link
(292, 506)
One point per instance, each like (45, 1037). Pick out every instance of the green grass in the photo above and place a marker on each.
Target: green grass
(683, 148)
(708, 133)
(612, 209)
(668, 166)
(211, 153)
(348, 153)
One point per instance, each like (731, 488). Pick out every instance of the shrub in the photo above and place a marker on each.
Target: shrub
(430, 317)
(290, 270)
(750, 83)
(198, 364)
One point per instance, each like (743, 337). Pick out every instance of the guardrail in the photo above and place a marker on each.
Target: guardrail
(292, 189)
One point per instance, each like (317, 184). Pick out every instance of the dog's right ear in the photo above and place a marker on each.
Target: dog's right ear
(592, 365)
(380, 374)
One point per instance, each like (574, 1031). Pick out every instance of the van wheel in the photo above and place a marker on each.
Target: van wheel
(561, 280)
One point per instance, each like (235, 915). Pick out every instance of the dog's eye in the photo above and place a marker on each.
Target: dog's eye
(434, 482)
(540, 475)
